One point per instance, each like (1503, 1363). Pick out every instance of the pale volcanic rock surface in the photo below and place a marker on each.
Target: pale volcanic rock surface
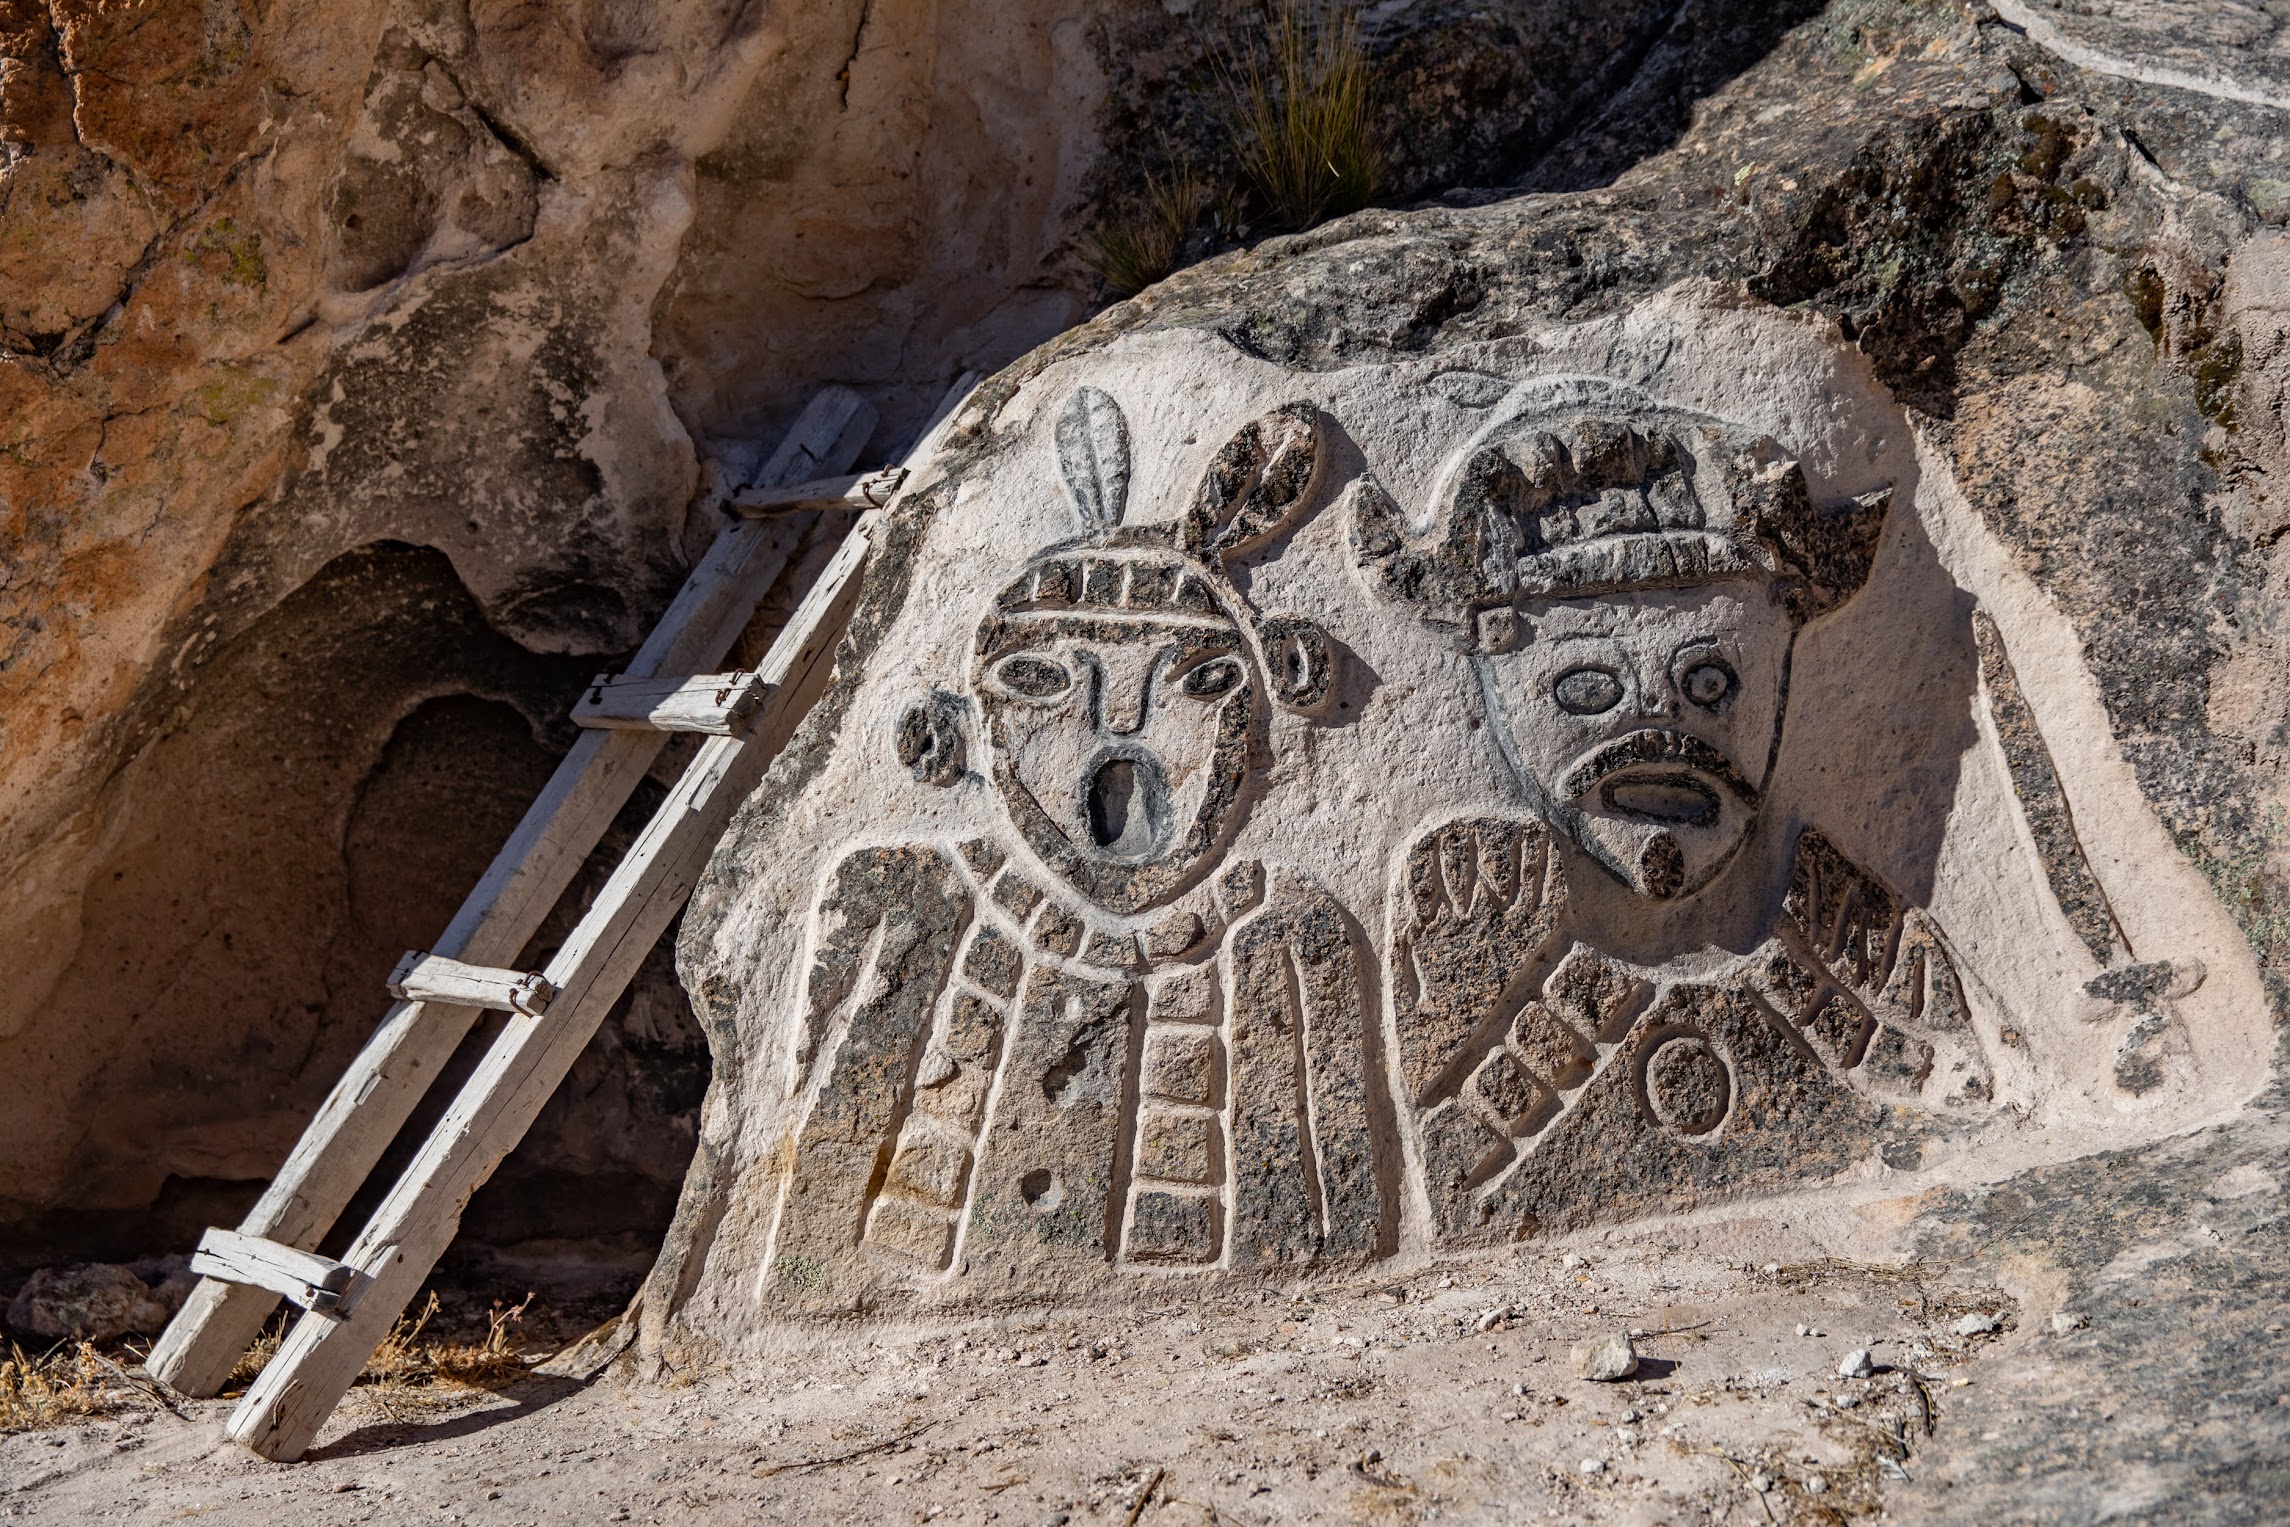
(369, 374)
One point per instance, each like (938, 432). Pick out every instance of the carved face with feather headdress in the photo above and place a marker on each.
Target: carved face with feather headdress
(1121, 674)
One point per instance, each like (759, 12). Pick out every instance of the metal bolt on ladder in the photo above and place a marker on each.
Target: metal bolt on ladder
(746, 717)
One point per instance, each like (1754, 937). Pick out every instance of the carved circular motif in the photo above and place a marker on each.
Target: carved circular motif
(1687, 1084)
(930, 740)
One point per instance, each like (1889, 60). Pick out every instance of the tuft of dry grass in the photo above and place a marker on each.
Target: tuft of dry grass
(404, 1361)
(257, 1357)
(1301, 115)
(1299, 144)
(491, 1361)
(63, 1383)
(1141, 242)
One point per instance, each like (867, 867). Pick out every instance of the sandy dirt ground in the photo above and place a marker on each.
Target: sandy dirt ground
(1445, 1392)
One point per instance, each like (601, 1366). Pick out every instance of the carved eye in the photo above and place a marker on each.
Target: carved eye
(1587, 691)
(1036, 677)
(1212, 678)
(1709, 684)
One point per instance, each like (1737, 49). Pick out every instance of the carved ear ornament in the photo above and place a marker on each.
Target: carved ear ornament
(930, 738)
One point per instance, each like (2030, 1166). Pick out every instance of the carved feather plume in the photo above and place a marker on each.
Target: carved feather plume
(1093, 454)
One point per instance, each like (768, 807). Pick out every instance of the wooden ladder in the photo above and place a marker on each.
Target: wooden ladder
(351, 1304)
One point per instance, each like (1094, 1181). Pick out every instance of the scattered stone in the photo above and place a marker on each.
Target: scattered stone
(2064, 1321)
(1857, 1364)
(1816, 1484)
(1978, 1323)
(1593, 1466)
(1606, 1362)
(1761, 1482)
(170, 1280)
(1570, 1262)
(96, 1302)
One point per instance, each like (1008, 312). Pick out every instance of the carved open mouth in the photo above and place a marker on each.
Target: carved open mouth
(1126, 806)
(1673, 799)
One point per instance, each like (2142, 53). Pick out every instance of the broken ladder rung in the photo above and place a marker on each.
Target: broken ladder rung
(722, 704)
(866, 490)
(421, 977)
(319, 1284)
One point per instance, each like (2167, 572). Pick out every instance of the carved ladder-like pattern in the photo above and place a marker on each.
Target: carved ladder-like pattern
(747, 717)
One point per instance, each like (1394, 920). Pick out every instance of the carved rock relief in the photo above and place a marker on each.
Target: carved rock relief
(1285, 821)
(998, 1069)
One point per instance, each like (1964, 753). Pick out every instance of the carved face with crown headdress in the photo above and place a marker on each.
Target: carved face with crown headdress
(1630, 580)
(1121, 676)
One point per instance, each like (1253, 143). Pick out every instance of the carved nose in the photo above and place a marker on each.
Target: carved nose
(1655, 702)
(1121, 697)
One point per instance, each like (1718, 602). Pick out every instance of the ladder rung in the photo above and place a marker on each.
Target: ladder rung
(291, 1400)
(723, 704)
(423, 977)
(866, 490)
(319, 1284)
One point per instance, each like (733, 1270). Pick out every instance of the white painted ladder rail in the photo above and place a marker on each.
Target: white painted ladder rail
(560, 1008)
(365, 1110)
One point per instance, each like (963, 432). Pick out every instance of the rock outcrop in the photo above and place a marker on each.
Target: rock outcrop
(368, 373)
(371, 371)
(1603, 770)
(368, 369)
(1312, 779)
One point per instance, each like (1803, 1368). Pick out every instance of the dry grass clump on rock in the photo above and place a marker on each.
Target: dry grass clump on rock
(1143, 244)
(1299, 146)
(1301, 126)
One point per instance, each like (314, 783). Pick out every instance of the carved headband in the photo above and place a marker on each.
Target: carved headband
(1612, 498)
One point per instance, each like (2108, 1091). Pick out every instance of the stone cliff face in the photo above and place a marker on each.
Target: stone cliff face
(2020, 265)
(364, 367)
(366, 371)
(370, 371)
